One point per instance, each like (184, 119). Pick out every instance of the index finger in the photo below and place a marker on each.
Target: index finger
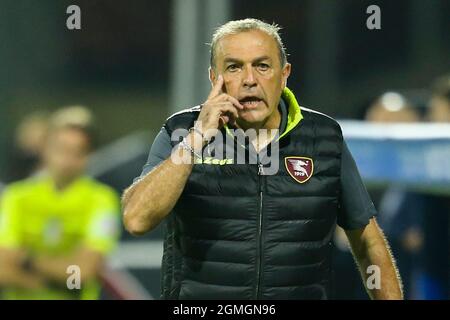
(217, 88)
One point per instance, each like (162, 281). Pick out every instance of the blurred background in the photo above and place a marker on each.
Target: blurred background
(135, 63)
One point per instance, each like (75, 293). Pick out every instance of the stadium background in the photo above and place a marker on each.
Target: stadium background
(134, 63)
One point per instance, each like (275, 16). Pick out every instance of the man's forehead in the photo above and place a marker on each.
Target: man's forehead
(246, 44)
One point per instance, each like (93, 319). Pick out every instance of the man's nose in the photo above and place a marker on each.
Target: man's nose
(249, 77)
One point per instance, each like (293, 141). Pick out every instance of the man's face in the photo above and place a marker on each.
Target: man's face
(250, 64)
(66, 153)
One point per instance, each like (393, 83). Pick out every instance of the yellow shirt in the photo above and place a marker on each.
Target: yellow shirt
(42, 220)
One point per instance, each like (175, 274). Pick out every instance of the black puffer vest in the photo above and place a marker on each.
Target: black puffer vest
(236, 233)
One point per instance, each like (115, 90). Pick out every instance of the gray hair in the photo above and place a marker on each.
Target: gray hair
(237, 26)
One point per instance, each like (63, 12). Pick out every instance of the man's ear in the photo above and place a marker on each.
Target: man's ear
(212, 76)
(285, 74)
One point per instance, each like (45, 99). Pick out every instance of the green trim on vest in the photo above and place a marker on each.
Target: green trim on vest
(294, 113)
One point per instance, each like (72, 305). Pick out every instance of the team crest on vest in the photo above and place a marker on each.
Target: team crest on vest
(300, 168)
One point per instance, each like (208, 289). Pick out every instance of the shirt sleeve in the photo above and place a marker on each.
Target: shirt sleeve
(103, 228)
(159, 151)
(9, 220)
(356, 207)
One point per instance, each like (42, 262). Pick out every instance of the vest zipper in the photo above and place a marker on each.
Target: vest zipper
(258, 256)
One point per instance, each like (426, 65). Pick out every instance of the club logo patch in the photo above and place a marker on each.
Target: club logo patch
(300, 168)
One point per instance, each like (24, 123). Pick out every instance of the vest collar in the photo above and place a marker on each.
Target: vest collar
(294, 111)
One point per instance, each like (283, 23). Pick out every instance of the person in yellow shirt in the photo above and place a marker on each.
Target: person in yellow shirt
(56, 220)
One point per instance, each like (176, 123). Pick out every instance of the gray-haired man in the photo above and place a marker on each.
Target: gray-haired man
(233, 231)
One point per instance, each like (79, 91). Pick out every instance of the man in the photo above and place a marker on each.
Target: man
(57, 219)
(232, 231)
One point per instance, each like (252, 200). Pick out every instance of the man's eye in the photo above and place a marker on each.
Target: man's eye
(263, 66)
(232, 67)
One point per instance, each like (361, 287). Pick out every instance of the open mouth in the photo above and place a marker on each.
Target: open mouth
(250, 101)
